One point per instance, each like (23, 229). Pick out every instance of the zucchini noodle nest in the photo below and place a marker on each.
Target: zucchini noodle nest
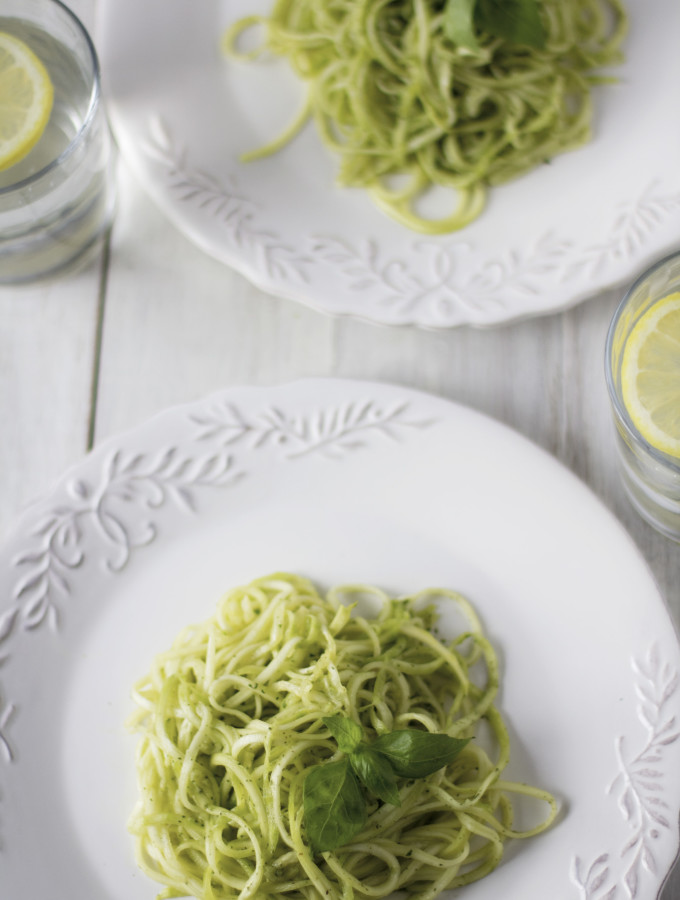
(231, 722)
(391, 94)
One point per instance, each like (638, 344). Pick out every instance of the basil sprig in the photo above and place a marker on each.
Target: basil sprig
(516, 21)
(334, 802)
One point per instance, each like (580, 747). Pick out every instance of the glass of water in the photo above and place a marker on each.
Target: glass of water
(643, 379)
(56, 203)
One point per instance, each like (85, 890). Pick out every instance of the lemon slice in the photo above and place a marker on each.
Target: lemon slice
(26, 95)
(650, 375)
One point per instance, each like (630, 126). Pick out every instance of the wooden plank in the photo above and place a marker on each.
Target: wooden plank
(47, 342)
(179, 324)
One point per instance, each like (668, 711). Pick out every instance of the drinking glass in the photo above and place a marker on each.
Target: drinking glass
(57, 202)
(650, 476)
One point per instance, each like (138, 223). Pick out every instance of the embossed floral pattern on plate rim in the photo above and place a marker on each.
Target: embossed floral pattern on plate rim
(109, 514)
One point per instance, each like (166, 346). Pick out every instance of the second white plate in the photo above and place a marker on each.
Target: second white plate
(591, 219)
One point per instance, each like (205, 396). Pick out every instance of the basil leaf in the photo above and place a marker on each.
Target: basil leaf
(334, 805)
(376, 772)
(346, 732)
(415, 754)
(458, 23)
(517, 21)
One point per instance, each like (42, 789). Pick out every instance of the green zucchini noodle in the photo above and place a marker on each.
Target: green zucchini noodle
(392, 95)
(231, 722)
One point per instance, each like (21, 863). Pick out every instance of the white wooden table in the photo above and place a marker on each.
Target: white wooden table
(153, 322)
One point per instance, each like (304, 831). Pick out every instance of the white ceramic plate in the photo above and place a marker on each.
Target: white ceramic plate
(589, 220)
(340, 481)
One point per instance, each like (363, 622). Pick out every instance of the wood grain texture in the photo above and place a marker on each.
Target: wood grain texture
(47, 345)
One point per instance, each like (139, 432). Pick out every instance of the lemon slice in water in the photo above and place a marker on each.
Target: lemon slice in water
(26, 95)
(650, 375)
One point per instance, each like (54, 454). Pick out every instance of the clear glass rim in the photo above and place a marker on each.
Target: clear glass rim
(619, 409)
(91, 110)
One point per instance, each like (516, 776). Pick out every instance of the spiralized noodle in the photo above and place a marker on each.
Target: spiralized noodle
(391, 94)
(231, 722)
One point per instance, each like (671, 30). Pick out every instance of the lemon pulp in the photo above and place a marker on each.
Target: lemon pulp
(650, 375)
(26, 97)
